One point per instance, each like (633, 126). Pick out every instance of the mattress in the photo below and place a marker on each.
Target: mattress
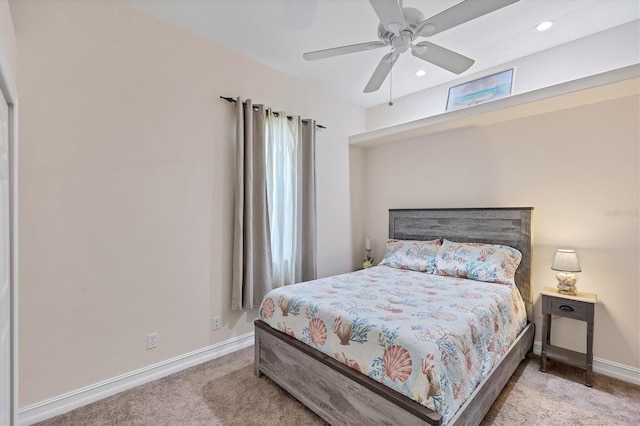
(431, 338)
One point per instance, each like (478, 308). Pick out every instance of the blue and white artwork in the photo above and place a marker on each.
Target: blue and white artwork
(484, 89)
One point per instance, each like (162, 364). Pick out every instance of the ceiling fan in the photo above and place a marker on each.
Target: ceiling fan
(400, 26)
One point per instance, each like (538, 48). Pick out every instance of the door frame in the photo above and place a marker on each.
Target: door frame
(10, 93)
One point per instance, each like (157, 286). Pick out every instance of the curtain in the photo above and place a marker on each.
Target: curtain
(283, 196)
(291, 195)
(251, 233)
(306, 254)
(275, 206)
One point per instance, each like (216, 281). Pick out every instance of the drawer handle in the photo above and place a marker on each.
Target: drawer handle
(566, 308)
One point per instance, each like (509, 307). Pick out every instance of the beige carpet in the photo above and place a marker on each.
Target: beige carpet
(225, 392)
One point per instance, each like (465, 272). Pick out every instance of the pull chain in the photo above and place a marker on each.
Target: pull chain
(391, 81)
(400, 3)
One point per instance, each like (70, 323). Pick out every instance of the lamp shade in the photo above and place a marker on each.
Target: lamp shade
(566, 261)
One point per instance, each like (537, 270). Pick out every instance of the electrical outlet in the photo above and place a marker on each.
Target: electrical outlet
(152, 340)
(215, 323)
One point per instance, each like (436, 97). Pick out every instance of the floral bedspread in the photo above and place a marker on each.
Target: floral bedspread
(429, 337)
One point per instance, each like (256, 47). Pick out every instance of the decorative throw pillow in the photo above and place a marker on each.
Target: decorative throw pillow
(408, 254)
(478, 261)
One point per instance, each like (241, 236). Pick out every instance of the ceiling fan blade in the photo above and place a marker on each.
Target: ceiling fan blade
(343, 50)
(390, 14)
(444, 58)
(381, 72)
(459, 14)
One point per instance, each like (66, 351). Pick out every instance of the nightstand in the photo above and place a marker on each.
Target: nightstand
(579, 307)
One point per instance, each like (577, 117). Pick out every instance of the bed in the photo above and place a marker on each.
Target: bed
(340, 394)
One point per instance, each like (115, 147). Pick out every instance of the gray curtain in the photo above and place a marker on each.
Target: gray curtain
(251, 236)
(306, 256)
(252, 251)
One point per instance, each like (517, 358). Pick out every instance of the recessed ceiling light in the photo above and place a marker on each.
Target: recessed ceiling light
(543, 26)
(420, 73)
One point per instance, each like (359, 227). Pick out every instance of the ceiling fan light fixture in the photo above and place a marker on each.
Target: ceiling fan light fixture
(420, 73)
(543, 26)
(402, 43)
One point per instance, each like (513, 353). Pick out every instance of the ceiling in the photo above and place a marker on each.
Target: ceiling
(278, 32)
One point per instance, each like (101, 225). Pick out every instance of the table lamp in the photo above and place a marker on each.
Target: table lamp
(368, 260)
(566, 262)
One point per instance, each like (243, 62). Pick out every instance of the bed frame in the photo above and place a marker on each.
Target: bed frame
(342, 396)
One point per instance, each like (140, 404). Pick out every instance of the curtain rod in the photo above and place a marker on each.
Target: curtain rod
(319, 126)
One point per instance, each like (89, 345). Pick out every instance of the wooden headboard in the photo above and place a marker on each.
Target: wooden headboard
(507, 226)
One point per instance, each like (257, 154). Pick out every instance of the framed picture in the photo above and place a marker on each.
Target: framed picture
(484, 89)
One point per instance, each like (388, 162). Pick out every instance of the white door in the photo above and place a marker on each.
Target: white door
(5, 288)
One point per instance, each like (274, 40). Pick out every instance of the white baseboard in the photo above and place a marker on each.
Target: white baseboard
(63, 403)
(605, 367)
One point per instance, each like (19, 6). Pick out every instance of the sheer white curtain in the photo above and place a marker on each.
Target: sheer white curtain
(291, 197)
(283, 189)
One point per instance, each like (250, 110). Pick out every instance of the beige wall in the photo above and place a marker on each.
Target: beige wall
(579, 169)
(358, 203)
(126, 188)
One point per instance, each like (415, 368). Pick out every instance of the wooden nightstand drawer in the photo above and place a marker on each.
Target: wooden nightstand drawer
(579, 307)
(566, 308)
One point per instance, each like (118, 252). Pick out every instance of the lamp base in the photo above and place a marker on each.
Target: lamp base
(567, 283)
(368, 261)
